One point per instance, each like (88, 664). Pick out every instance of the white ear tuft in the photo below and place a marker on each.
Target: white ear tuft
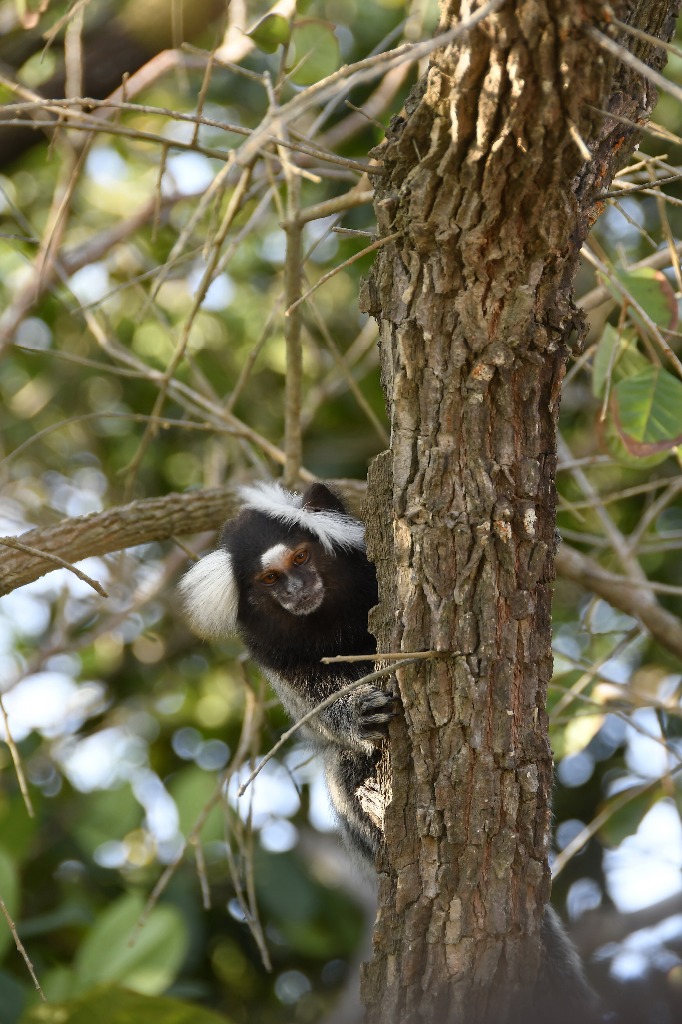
(332, 529)
(210, 595)
(271, 499)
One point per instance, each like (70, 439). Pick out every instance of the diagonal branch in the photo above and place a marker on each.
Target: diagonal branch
(101, 533)
(665, 627)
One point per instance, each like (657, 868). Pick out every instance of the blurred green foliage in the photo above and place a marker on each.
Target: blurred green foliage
(125, 722)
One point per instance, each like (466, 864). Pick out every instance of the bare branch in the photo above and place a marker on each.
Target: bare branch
(665, 627)
(103, 532)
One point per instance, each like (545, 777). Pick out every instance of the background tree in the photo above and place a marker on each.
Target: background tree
(153, 343)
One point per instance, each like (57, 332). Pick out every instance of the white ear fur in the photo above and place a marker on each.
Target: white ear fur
(210, 595)
(332, 529)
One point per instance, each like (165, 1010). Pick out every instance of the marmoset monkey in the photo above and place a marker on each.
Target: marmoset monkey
(292, 579)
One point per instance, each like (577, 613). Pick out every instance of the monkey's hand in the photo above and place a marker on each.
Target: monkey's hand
(358, 720)
(374, 709)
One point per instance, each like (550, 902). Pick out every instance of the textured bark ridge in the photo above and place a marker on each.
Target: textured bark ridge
(485, 179)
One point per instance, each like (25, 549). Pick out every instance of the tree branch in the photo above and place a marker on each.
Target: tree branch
(665, 627)
(101, 533)
(158, 519)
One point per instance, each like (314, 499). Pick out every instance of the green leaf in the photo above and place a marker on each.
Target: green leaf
(12, 998)
(112, 1005)
(626, 820)
(191, 790)
(647, 411)
(106, 814)
(626, 361)
(614, 445)
(270, 32)
(150, 965)
(283, 888)
(651, 290)
(313, 51)
(16, 828)
(9, 893)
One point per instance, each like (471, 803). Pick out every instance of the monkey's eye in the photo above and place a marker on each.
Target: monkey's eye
(268, 578)
(300, 557)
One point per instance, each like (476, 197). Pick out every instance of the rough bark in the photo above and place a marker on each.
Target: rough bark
(485, 179)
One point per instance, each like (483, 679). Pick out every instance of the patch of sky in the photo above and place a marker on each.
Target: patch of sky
(106, 166)
(213, 756)
(102, 760)
(272, 794)
(50, 703)
(618, 226)
(25, 613)
(567, 831)
(317, 236)
(644, 949)
(179, 131)
(320, 812)
(90, 284)
(111, 854)
(604, 618)
(306, 768)
(33, 333)
(220, 293)
(575, 769)
(274, 247)
(290, 986)
(234, 909)
(645, 754)
(569, 642)
(161, 813)
(610, 736)
(12, 517)
(646, 867)
(187, 174)
(189, 744)
(584, 894)
(278, 836)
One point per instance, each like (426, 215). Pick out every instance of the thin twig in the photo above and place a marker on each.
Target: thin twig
(293, 279)
(588, 677)
(390, 656)
(621, 193)
(322, 706)
(10, 542)
(20, 947)
(348, 377)
(16, 760)
(233, 208)
(614, 48)
(346, 263)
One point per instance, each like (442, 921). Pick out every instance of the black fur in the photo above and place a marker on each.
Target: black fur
(288, 647)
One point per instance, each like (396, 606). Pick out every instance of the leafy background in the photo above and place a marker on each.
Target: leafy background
(143, 353)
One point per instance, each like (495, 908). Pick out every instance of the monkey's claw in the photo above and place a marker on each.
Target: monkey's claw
(375, 710)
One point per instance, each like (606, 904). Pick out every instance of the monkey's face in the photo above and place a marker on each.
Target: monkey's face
(289, 576)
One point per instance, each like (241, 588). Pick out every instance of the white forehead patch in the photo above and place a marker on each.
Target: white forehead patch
(276, 557)
(332, 529)
(210, 596)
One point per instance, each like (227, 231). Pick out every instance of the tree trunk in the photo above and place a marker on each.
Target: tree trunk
(487, 181)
